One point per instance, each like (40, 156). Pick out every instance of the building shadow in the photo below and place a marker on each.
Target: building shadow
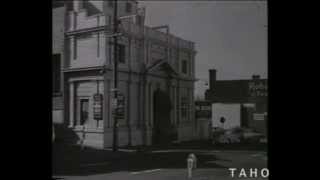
(64, 135)
(72, 161)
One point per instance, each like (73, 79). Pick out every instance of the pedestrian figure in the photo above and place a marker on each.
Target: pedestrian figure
(191, 163)
(194, 158)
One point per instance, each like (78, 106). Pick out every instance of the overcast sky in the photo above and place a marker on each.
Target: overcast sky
(230, 36)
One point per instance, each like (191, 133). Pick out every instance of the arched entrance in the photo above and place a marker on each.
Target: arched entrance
(161, 117)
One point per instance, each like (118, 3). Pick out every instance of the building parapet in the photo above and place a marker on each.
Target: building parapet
(128, 28)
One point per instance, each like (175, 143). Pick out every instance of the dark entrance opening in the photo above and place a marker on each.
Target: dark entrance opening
(84, 111)
(244, 117)
(161, 115)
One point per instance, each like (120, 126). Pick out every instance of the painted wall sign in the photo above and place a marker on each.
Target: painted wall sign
(203, 109)
(120, 106)
(259, 116)
(258, 89)
(97, 106)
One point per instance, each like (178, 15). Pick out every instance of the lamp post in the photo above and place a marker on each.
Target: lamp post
(115, 76)
(116, 22)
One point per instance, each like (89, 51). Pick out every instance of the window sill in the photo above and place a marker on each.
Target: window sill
(56, 94)
(79, 128)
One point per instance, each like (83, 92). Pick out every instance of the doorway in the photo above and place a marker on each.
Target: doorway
(162, 129)
(84, 111)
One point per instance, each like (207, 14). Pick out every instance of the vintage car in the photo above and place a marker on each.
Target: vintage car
(236, 135)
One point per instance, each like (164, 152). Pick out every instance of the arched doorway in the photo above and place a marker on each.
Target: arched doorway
(161, 118)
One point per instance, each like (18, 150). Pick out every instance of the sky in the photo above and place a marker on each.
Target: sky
(230, 36)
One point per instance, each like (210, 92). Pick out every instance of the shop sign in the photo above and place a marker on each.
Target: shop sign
(203, 109)
(118, 106)
(259, 116)
(258, 89)
(97, 106)
(121, 105)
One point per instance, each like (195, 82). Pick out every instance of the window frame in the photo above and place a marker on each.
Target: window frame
(121, 53)
(128, 7)
(56, 72)
(184, 67)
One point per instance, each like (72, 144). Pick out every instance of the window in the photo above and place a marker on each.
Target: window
(184, 67)
(121, 53)
(56, 4)
(56, 74)
(110, 3)
(75, 48)
(128, 7)
(69, 5)
(139, 20)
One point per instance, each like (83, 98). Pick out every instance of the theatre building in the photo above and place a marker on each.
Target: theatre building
(155, 79)
(243, 103)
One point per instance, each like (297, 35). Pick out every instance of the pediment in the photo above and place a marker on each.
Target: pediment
(162, 68)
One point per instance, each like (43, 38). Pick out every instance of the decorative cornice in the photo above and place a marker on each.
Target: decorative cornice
(67, 70)
(86, 30)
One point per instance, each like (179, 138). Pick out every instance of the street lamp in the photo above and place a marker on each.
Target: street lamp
(116, 22)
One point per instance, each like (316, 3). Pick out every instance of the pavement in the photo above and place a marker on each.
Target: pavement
(72, 163)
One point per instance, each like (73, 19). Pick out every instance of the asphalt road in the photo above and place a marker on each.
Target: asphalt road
(159, 165)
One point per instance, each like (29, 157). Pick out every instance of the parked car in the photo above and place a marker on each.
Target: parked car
(252, 136)
(236, 135)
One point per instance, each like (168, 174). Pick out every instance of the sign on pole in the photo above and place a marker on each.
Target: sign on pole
(203, 109)
(97, 106)
(121, 106)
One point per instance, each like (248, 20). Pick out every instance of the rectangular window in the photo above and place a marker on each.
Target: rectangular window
(121, 53)
(69, 5)
(110, 3)
(75, 53)
(184, 67)
(139, 20)
(56, 73)
(128, 7)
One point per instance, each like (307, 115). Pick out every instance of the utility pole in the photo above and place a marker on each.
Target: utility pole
(115, 76)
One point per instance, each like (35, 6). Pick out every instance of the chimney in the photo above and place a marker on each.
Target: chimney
(212, 78)
(255, 77)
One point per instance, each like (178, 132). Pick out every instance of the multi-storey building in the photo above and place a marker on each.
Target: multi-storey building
(58, 22)
(156, 76)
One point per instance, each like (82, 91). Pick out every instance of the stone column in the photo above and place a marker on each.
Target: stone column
(171, 88)
(71, 15)
(138, 104)
(174, 104)
(144, 114)
(71, 104)
(151, 104)
(146, 103)
(128, 114)
(106, 104)
(71, 52)
(110, 97)
(150, 109)
(178, 104)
